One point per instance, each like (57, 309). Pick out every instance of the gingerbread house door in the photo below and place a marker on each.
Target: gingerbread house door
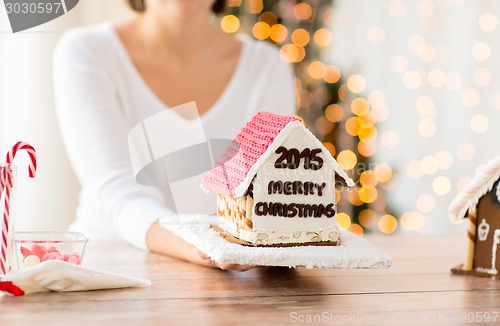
(487, 249)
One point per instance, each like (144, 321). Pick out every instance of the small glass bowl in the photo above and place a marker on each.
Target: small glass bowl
(31, 248)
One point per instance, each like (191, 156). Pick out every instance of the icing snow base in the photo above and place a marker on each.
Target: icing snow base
(354, 252)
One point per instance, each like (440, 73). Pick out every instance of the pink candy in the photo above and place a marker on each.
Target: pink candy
(54, 255)
(50, 253)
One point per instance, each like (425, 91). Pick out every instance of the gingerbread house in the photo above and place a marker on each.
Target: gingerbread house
(275, 185)
(479, 201)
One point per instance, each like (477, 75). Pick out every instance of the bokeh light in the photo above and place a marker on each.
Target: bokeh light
(254, 6)
(343, 220)
(436, 78)
(426, 52)
(356, 83)
(399, 64)
(316, 69)
(481, 51)
(396, 8)
(412, 221)
(230, 24)
(425, 8)
(330, 147)
(414, 171)
(387, 224)
(278, 33)
(347, 159)
(429, 165)
(367, 149)
(479, 123)
(334, 113)
(383, 172)
(390, 139)
(367, 193)
(300, 37)
(445, 159)
(470, 98)
(425, 203)
(332, 74)
(268, 17)
(303, 11)
(292, 53)
(412, 79)
(360, 106)
(356, 229)
(376, 99)
(367, 218)
(323, 37)
(323, 125)
(441, 185)
(261, 30)
(481, 77)
(375, 35)
(427, 128)
(353, 197)
(466, 151)
(488, 22)
(425, 107)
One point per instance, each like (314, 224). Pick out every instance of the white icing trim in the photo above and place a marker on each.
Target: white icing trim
(498, 192)
(486, 270)
(241, 189)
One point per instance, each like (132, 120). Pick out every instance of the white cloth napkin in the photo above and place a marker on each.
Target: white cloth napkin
(61, 276)
(354, 251)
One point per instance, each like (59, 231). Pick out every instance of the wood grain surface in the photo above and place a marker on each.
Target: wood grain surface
(418, 289)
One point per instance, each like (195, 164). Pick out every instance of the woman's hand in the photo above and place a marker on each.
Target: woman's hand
(207, 261)
(162, 241)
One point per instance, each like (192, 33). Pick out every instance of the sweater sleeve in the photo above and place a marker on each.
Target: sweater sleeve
(94, 131)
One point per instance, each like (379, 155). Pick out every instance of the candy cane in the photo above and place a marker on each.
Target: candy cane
(31, 152)
(7, 183)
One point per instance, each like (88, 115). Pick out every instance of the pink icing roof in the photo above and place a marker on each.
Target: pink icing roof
(476, 188)
(251, 142)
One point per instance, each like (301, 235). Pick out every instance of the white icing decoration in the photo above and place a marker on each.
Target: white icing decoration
(486, 270)
(267, 173)
(496, 241)
(482, 230)
(498, 192)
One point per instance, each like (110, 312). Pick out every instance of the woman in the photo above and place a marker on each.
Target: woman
(109, 78)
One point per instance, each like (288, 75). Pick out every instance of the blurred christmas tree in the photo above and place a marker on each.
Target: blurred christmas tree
(330, 104)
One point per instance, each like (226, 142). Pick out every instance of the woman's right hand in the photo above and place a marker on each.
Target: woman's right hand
(163, 241)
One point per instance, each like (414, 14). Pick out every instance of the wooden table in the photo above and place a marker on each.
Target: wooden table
(418, 288)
